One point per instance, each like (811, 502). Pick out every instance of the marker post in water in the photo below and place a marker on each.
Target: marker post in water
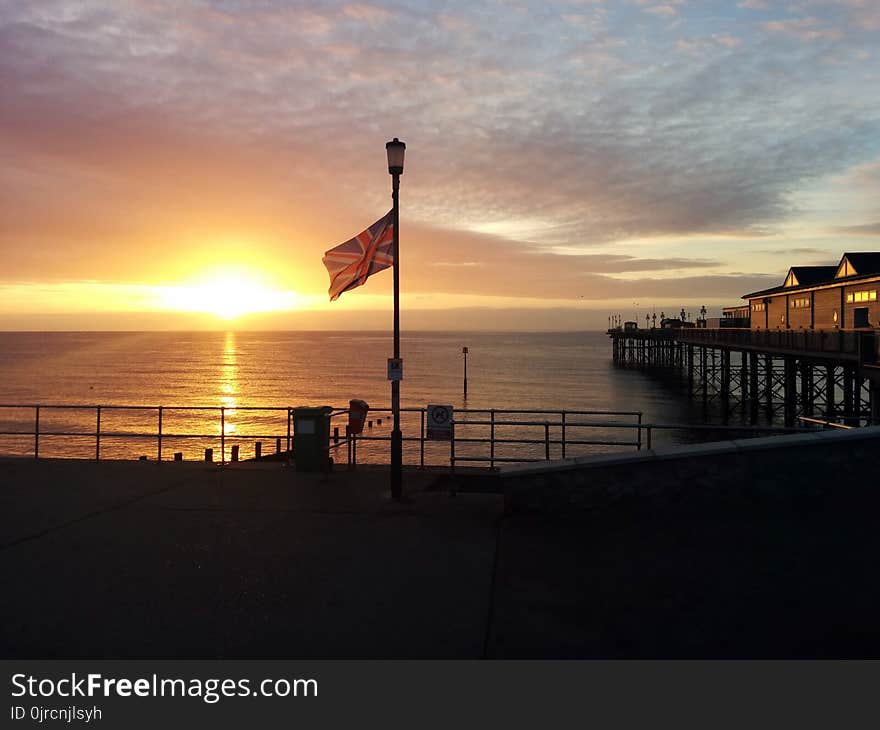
(464, 351)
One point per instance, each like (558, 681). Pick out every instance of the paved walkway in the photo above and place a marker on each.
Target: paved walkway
(188, 560)
(141, 560)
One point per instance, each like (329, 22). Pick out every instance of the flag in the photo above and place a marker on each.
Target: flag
(350, 263)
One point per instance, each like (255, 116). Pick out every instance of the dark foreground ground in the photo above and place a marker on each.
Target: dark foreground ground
(141, 560)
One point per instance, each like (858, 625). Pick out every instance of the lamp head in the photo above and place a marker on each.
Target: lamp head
(395, 149)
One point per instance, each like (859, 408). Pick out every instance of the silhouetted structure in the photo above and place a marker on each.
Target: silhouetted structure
(805, 349)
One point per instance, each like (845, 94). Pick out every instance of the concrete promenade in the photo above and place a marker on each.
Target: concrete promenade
(142, 560)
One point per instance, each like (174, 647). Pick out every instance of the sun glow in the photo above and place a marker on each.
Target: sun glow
(229, 296)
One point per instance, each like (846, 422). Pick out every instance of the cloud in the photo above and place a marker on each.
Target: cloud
(805, 29)
(239, 129)
(861, 15)
(479, 264)
(664, 10)
(728, 41)
(788, 252)
(373, 15)
(868, 229)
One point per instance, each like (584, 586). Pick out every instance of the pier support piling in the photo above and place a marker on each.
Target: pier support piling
(754, 401)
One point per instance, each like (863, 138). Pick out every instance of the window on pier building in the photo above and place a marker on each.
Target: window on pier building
(759, 307)
(861, 296)
(801, 303)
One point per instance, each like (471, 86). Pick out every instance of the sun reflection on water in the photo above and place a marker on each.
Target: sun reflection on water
(229, 385)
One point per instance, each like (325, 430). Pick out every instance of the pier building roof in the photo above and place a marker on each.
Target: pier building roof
(853, 267)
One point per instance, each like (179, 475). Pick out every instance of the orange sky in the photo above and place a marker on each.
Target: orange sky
(163, 159)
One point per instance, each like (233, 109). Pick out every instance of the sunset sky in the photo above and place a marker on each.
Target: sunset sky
(186, 164)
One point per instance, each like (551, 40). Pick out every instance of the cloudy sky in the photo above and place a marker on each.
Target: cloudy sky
(565, 160)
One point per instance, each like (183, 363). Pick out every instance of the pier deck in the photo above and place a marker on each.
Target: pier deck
(774, 374)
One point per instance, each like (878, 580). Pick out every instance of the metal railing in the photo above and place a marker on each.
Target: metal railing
(160, 434)
(856, 344)
(537, 435)
(569, 429)
(556, 433)
(492, 421)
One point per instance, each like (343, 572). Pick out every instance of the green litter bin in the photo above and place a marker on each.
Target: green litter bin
(311, 438)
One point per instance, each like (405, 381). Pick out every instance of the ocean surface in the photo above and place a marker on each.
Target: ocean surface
(569, 371)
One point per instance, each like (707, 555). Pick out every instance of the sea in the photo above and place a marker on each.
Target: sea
(209, 385)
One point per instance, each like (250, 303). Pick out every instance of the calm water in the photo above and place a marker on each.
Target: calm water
(571, 371)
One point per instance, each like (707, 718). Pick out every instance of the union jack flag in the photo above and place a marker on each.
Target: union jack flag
(350, 263)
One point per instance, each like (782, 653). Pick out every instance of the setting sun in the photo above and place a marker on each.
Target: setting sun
(228, 296)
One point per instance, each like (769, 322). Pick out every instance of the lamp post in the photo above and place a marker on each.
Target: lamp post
(396, 150)
(703, 315)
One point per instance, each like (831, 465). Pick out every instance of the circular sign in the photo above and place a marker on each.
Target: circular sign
(440, 415)
(440, 420)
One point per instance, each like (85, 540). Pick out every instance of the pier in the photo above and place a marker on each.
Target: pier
(806, 351)
(786, 376)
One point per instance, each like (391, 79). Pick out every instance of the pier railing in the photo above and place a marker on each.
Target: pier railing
(479, 436)
(858, 345)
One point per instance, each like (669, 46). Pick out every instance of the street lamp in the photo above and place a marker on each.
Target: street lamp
(703, 315)
(396, 149)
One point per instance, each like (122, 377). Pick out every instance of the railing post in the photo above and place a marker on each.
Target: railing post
(159, 443)
(36, 432)
(348, 444)
(222, 435)
(649, 438)
(546, 441)
(98, 435)
(563, 434)
(639, 436)
(492, 439)
(288, 431)
(452, 448)
(422, 439)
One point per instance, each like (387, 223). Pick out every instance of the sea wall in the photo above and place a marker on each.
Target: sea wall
(770, 468)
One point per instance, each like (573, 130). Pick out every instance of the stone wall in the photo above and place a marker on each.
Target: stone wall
(770, 468)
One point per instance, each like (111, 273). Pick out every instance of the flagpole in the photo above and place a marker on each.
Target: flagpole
(395, 150)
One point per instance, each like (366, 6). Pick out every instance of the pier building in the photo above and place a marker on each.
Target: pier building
(822, 297)
(806, 351)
